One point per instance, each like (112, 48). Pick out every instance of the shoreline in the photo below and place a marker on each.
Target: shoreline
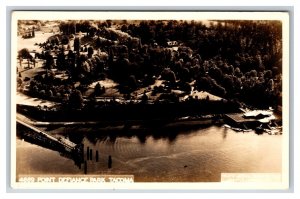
(126, 125)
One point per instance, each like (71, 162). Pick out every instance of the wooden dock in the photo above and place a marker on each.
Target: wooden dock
(69, 146)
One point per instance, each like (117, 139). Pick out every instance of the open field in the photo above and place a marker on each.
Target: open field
(40, 37)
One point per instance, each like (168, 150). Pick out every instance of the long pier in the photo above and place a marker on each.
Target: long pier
(68, 145)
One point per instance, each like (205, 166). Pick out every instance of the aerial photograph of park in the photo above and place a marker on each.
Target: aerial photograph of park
(160, 100)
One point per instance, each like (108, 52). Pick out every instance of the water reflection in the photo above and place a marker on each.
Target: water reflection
(94, 140)
(76, 135)
(197, 155)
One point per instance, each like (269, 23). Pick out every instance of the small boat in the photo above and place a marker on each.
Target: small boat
(227, 126)
(236, 129)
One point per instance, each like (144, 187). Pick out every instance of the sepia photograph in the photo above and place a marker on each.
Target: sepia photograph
(150, 100)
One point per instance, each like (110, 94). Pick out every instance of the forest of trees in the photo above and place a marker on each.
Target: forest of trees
(236, 60)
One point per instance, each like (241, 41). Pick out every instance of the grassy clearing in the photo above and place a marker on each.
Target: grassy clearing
(40, 37)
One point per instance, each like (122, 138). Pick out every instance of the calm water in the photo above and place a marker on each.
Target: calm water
(198, 155)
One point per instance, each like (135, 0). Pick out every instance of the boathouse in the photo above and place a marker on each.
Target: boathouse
(250, 119)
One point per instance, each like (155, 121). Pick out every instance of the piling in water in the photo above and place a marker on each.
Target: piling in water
(88, 153)
(91, 154)
(109, 162)
(97, 156)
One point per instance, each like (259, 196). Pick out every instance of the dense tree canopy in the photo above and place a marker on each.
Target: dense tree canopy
(233, 59)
